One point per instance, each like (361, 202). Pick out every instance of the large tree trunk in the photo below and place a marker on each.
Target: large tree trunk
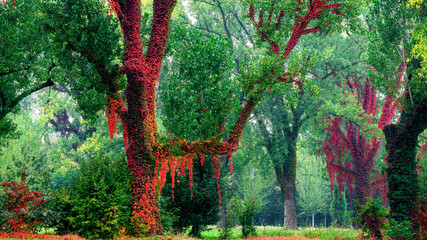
(138, 119)
(289, 196)
(284, 160)
(362, 171)
(286, 176)
(401, 157)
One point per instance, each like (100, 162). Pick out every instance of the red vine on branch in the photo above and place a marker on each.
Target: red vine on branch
(148, 160)
(358, 170)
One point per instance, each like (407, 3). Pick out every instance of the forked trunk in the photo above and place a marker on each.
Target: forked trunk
(138, 119)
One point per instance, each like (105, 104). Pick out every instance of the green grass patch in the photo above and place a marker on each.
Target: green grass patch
(322, 233)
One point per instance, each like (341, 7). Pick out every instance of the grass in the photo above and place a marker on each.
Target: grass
(212, 232)
(322, 233)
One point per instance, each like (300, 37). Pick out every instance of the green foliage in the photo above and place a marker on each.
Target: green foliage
(56, 213)
(312, 186)
(372, 217)
(85, 40)
(99, 199)
(338, 209)
(194, 207)
(25, 62)
(199, 93)
(386, 52)
(399, 230)
(246, 218)
(7, 130)
(249, 198)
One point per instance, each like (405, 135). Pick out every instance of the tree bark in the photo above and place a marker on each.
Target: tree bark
(401, 156)
(139, 117)
(312, 220)
(289, 193)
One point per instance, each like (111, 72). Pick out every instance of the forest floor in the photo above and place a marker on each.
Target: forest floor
(262, 233)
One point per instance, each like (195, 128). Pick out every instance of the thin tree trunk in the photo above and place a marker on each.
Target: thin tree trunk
(312, 220)
(325, 217)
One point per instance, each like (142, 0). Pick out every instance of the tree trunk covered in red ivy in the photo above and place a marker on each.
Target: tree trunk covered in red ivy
(363, 153)
(138, 119)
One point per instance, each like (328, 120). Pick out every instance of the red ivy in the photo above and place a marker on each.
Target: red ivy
(363, 153)
(17, 199)
(149, 161)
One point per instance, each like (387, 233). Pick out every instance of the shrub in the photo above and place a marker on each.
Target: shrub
(372, 216)
(98, 202)
(246, 218)
(401, 231)
(339, 215)
(20, 205)
(196, 207)
(57, 212)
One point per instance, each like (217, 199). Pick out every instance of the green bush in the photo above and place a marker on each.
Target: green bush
(399, 230)
(56, 213)
(98, 204)
(339, 215)
(246, 218)
(191, 208)
(372, 216)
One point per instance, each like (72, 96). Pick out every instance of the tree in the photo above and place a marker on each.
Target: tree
(362, 148)
(22, 70)
(86, 46)
(142, 70)
(249, 197)
(399, 58)
(286, 126)
(338, 209)
(193, 204)
(312, 187)
(269, 32)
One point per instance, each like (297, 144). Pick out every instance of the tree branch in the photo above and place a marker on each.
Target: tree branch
(14, 70)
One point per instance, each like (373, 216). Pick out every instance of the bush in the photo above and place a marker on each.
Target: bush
(339, 215)
(19, 205)
(246, 218)
(196, 207)
(244, 210)
(372, 216)
(98, 204)
(401, 231)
